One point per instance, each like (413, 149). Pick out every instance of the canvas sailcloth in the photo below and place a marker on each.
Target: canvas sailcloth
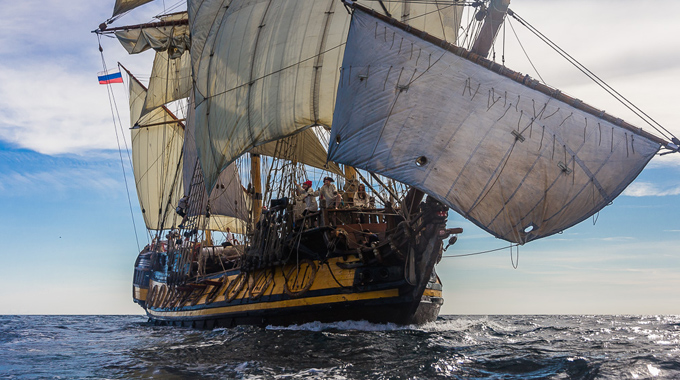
(518, 163)
(173, 39)
(170, 80)
(229, 204)
(264, 70)
(123, 6)
(157, 143)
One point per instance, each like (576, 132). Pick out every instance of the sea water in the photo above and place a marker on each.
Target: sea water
(453, 347)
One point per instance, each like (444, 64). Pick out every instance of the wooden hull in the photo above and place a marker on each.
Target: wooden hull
(326, 274)
(285, 295)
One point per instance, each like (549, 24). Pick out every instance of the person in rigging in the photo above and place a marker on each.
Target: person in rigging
(181, 210)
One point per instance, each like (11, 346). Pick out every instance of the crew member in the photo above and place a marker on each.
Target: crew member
(329, 194)
(308, 195)
(361, 199)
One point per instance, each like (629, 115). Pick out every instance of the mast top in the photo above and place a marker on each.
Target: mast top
(493, 19)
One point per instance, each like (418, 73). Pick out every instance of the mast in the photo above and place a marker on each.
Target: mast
(256, 186)
(350, 173)
(494, 17)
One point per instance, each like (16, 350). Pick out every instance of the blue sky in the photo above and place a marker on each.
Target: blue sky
(68, 242)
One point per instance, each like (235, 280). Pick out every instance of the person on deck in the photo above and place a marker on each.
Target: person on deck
(174, 238)
(361, 199)
(349, 192)
(329, 194)
(230, 240)
(308, 196)
(299, 203)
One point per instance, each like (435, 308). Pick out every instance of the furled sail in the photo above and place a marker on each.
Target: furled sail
(264, 69)
(123, 6)
(170, 80)
(169, 36)
(157, 140)
(519, 163)
(229, 204)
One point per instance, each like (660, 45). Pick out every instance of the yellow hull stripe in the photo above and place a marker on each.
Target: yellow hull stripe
(432, 293)
(140, 294)
(280, 304)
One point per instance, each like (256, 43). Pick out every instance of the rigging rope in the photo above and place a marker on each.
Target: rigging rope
(623, 100)
(252, 80)
(514, 263)
(481, 252)
(114, 108)
(524, 50)
(166, 10)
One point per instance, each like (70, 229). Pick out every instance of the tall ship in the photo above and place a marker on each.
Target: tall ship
(296, 160)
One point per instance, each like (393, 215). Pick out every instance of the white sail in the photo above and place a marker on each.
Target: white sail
(303, 147)
(123, 6)
(229, 205)
(170, 80)
(517, 162)
(204, 16)
(265, 69)
(173, 39)
(157, 140)
(440, 18)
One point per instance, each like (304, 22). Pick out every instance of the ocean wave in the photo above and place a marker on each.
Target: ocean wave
(453, 347)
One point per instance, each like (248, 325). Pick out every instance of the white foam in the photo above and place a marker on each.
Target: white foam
(653, 370)
(344, 325)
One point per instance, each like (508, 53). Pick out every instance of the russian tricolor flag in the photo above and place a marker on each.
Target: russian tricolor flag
(106, 77)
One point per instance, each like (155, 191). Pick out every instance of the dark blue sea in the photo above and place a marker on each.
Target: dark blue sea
(454, 347)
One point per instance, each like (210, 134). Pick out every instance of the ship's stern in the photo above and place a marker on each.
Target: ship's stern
(140, 280)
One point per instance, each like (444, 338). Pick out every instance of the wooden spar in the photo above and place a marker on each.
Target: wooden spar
(384, 8)
(256, 183)
(513, 75)
(495, 15)
(176, 119)
(142, 26)
(161, 123)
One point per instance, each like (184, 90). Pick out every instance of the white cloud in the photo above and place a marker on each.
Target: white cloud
(614, 48)
(648, 189)
(58, 182)
(51, 100)
(51, 110)
(617, 238)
